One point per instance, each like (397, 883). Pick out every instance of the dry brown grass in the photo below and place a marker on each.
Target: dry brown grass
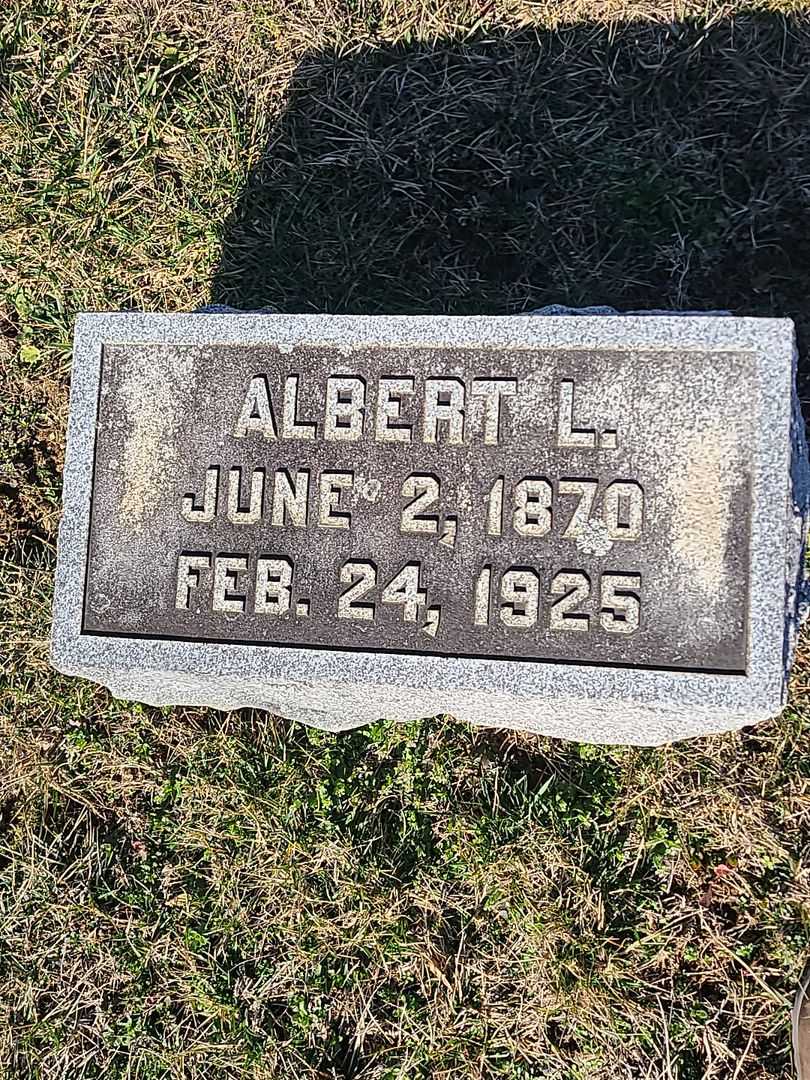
(184, 894)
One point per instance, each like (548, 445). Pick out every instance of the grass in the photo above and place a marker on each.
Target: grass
(190, 894)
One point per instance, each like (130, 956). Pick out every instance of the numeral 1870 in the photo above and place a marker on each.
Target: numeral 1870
(519, 605)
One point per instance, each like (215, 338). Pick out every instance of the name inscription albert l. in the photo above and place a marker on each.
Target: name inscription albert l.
(590, 506)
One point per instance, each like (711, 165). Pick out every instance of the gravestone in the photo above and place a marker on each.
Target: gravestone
(585, 527)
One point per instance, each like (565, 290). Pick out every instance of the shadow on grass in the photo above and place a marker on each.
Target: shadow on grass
(644, 167)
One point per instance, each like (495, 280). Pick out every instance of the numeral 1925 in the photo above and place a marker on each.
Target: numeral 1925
(520, 604)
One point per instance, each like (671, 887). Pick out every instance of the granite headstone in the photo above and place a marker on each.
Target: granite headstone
(585, 527)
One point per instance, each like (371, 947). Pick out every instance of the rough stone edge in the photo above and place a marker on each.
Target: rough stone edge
(550, 717)
(797, 590)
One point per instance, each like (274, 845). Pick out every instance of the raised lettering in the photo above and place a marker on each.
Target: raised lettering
(567, 434)
(520, 591)
(621, 607)
(586, 492)
(203, 515)
(361, 577)
(330, 487)
(444, 411)
(257, 411)
(388, 423)
(345, 408)
(623, 509)
(424, 491)
(492, 390)
(573, 587)
(291, 427)
(227, 569)
(290, 498)
(237, 513)
(190, 566)
(532, 515)
(273, 580)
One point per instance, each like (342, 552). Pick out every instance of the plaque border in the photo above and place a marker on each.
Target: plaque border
(706, 669)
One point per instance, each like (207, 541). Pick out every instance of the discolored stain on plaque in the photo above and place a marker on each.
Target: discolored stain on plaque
(582, 506)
